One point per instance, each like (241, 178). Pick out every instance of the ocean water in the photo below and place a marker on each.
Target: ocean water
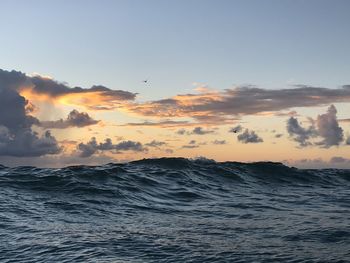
(174, 210)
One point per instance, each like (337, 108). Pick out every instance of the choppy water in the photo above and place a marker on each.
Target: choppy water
(174, 210)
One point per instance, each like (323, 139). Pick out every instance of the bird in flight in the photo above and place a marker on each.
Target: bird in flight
(145, 81)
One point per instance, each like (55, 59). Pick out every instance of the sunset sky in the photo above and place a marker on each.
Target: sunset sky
(226, 80)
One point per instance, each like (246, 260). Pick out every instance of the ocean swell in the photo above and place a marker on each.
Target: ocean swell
(174, 210)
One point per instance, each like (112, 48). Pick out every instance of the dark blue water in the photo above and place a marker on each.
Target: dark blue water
(174, 210)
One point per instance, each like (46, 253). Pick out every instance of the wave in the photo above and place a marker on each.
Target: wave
(162, 174)
(174, 209)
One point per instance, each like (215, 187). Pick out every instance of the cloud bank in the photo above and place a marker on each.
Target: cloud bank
(230, 104)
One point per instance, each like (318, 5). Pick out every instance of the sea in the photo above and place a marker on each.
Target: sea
(174, 210)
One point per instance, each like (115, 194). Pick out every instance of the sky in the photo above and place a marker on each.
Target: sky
(226, 80)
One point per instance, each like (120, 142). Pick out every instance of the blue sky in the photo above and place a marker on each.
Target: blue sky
(202, 59)
(176, 43)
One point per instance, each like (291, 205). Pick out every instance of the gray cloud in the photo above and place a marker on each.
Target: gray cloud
(195, 131)
(92, 147)
(328, 128)
(249, 137)
(74, 119)
(155, 144)
(347, 140)
(339, 159)
(16, 135)
(246, 100)
(300, 134)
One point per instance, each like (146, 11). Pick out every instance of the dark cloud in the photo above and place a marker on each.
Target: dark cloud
(328, 128)
(92, 147)
(74, 119)
(300, 134)
(32, 86)
(53, 88)
(219, 142)
(16, 135)
(249, 137)
(26, 143)
(246, 100)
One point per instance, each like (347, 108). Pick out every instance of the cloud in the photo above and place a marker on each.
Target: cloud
(339, 159)
(181, 131)
(195, 131)
(300, 134)
(347, 142)
(201, 131)
(162, 124)
(16, 135)
(155, 144)
(190, 146)
(169, 151)
(223, 106)
(26, 143)
(219, 142)
(90, 148)
(328, 128)
(74, 119)
(47, 89)
(193, 144)
(249, 137)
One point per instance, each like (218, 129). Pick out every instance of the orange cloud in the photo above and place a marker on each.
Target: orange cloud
(226, 106)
